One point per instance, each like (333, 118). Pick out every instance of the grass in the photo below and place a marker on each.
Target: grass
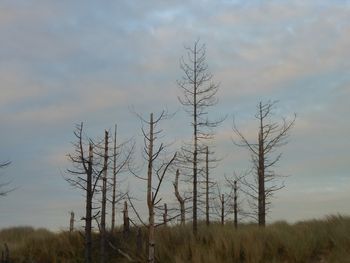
(315, 241)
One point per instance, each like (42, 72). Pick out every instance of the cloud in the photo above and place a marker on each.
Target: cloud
(63, 62)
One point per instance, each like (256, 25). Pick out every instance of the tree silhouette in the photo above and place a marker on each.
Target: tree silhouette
(271, 136)
(198, 95)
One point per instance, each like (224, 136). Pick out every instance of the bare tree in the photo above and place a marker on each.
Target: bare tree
(223, 205)
(3, 186)
(179, 198)
(233, 185)
(271, 136)
(209, 185)
(235, 204)
(104, 201)
(122, 158)
(157, 167)
(126, 222)
(84, 175)
(198, 95)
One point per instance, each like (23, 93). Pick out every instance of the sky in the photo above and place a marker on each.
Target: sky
(66, 62)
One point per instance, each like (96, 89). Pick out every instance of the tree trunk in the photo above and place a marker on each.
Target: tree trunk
(235, 212)
(165, 215)
(114, 178)
(222, 209)
(150, 201)
(104, 201)
(261, 174)
(195, 138)
(207, 186)
(126, 223)
(179, 198)
(71, 222)
(88, 208)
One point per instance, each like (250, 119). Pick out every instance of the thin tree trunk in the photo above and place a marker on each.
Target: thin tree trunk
(207, 186)
(165, 215)
(150, 201)
(195, 138)
(88, 208)
(261, 174)
(235, 212)
(104, 201)
(71, 222)
(126, 223)
(114, 178)
(222, 209)
(179, 198)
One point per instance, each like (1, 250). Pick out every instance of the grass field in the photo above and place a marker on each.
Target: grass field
(312, 241)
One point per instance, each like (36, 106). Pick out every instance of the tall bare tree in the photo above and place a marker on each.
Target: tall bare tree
(104, 201)
(122, 158)
(271, 136)
(157, 167)
(84, 175)
(198, 95)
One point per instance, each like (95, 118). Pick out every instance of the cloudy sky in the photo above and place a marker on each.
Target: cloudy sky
(63, 62)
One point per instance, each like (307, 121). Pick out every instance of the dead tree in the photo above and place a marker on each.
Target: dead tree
(235, 188)
(222, 201)
(223, 205)
(235, 205)
(126, 222)
(271, 136)
(165, 215)
(71, 222)
(114, 184)
(157, 167)
(122, 157)
(198, 95)
(84, 175)
(209, 185)
(179, 198)
(104, 201)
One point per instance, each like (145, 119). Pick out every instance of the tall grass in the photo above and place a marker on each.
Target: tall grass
(312, 241)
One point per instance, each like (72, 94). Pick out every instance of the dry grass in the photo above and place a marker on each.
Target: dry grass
(313, 241)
